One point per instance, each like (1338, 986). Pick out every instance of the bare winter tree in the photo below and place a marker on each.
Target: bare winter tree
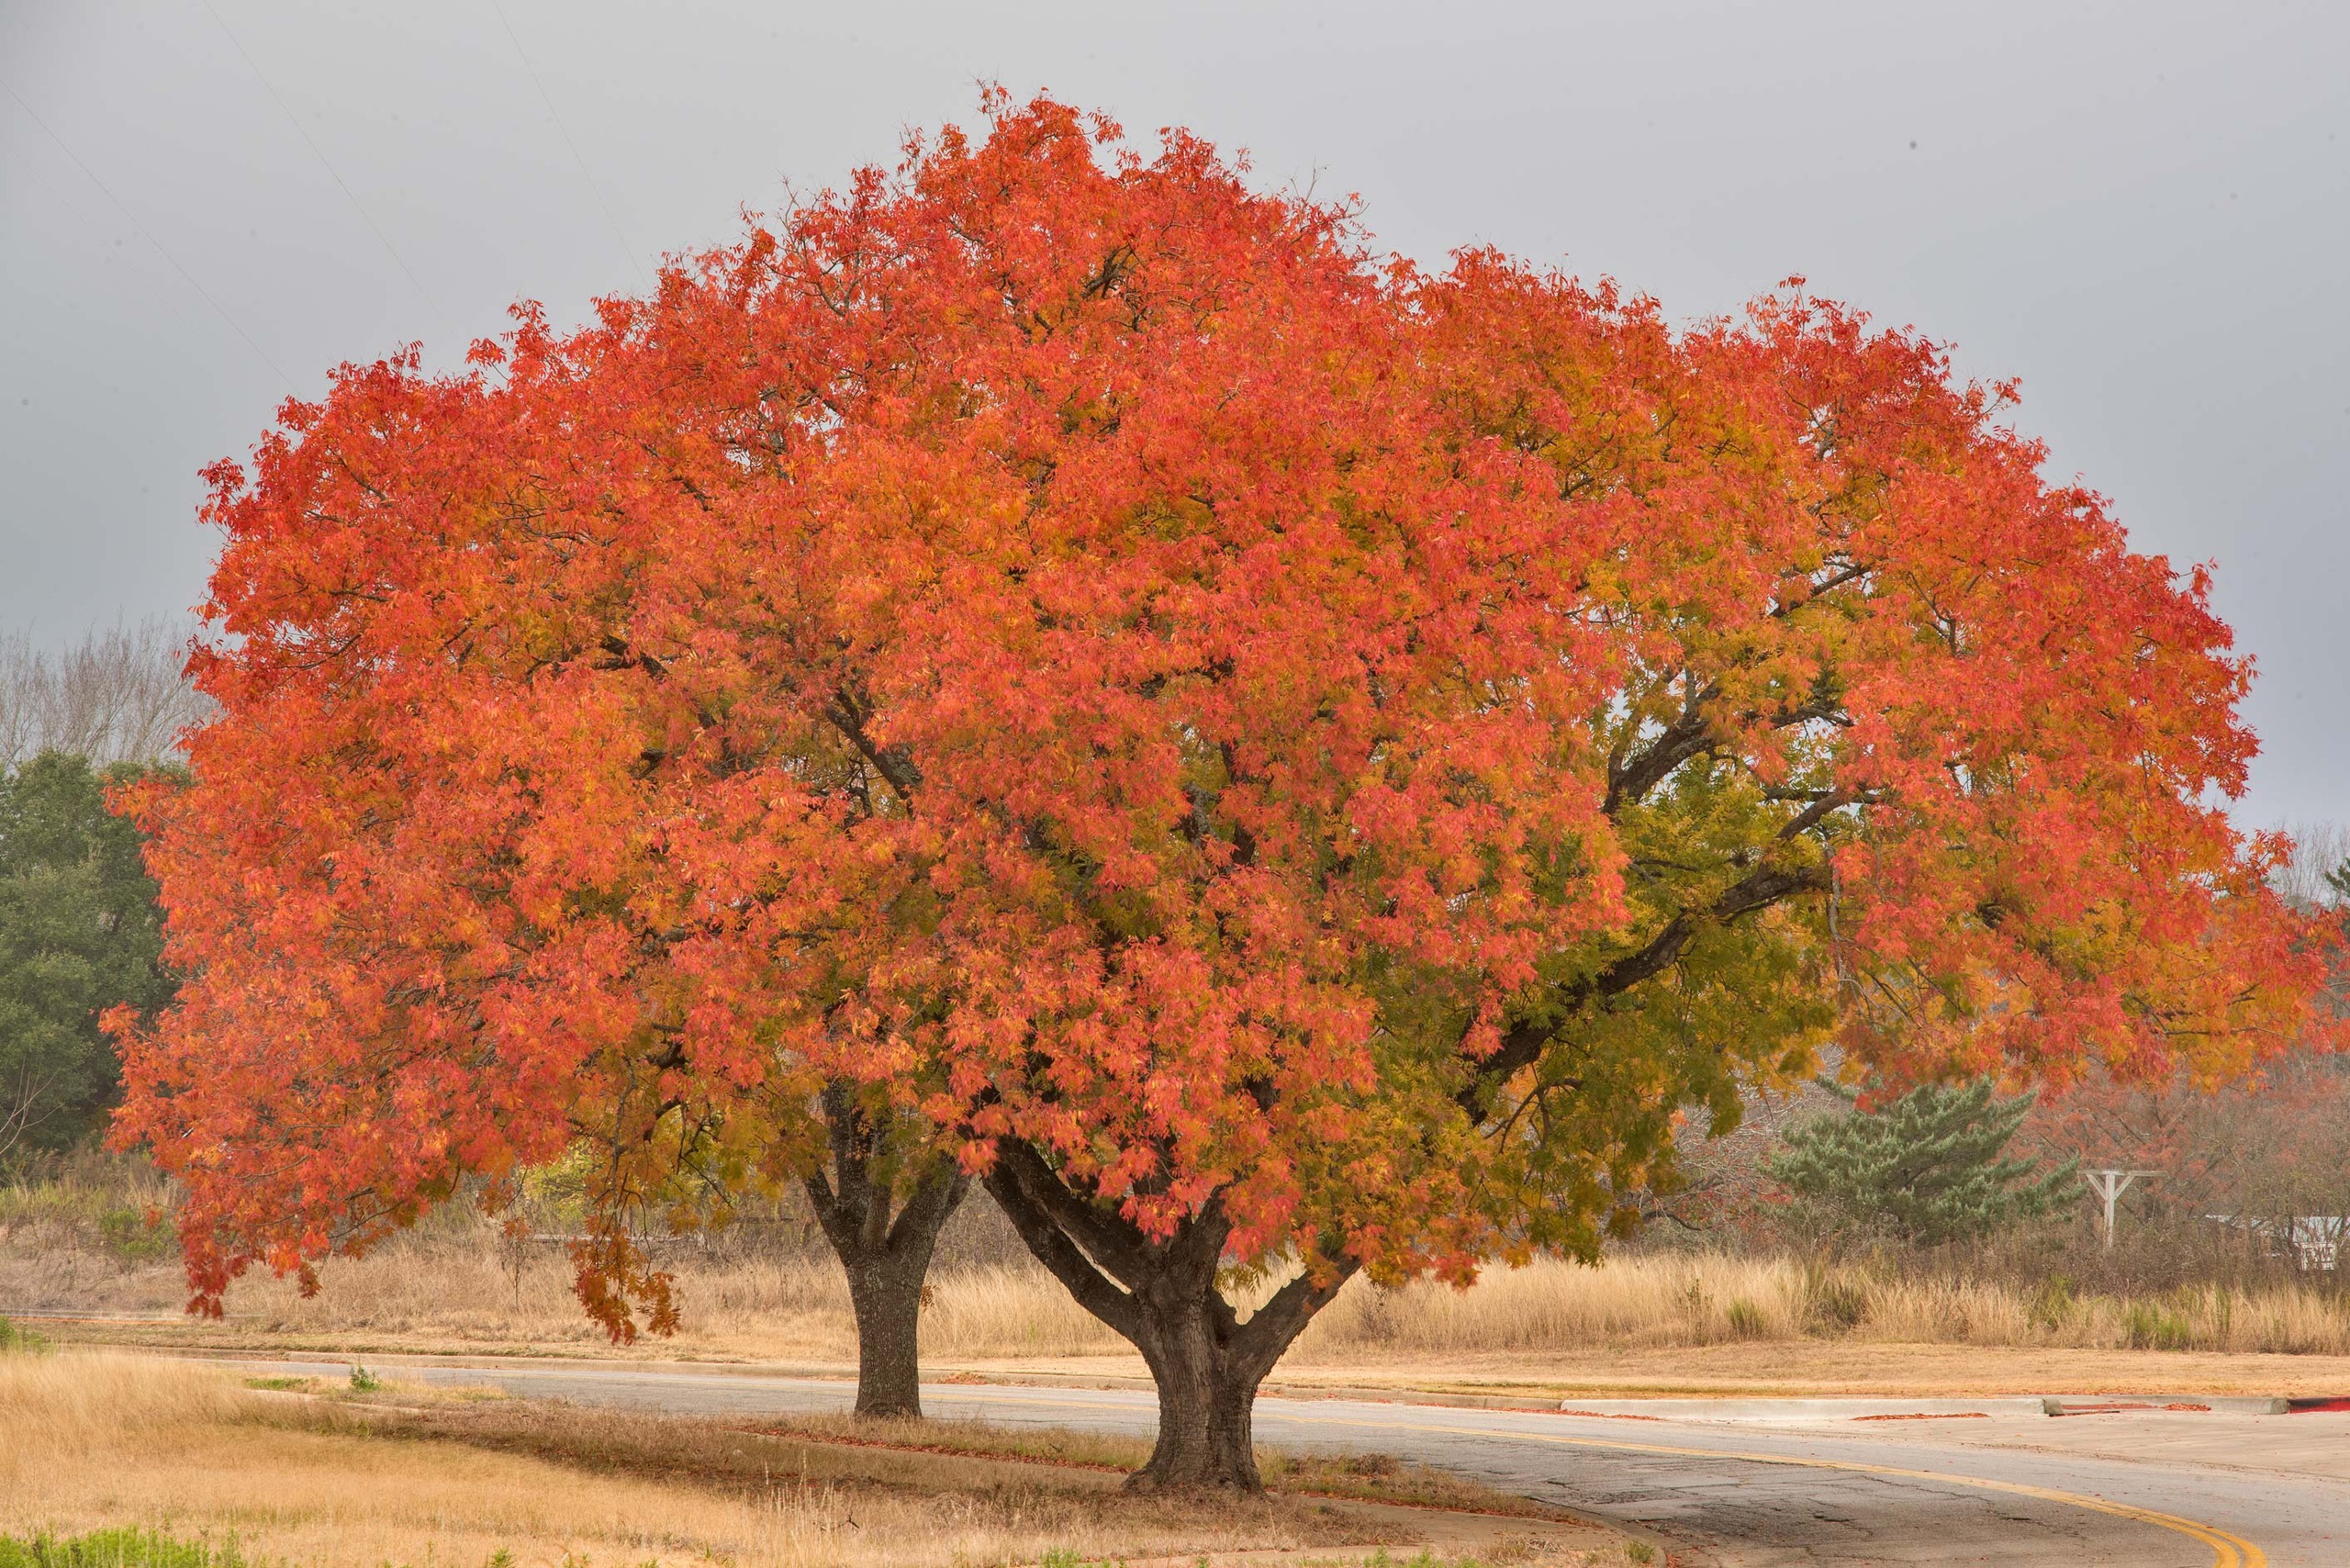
(117, 696)
(2321, 853)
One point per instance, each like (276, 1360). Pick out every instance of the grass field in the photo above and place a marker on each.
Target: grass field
(458, 1289)
(403, 1476)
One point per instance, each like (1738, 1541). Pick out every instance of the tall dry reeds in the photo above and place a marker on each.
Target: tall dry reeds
(1550, 1308)
(1655, 1302)
(459, 1281)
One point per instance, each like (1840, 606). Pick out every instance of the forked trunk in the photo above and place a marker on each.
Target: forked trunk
(1206, 1408)
(886, 1256)
(1162, 1297)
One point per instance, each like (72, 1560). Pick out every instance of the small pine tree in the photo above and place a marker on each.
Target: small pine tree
(1929, 1168)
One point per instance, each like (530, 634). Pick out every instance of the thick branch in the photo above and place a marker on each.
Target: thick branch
(1524, 1043)
(1630, 781)
(846, 1210)
(1834, 801)
(1014, 1182)
(1121, 1254)
(848, 715)
(1271, 1328)
(855, 1209)
(933, 1199)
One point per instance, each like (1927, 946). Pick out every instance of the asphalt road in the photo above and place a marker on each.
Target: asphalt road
(1742, 1495)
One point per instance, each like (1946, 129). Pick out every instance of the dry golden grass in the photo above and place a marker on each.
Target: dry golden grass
(89, 1441)
(1653, 1302)
(440, 1293)
(1655, 1322)
(1639, 1302)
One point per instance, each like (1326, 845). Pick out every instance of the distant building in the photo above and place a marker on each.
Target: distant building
(2315, 1240)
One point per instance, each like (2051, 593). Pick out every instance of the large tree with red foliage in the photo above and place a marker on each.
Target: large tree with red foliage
(1268, 758)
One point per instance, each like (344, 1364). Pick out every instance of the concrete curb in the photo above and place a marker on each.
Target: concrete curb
(2192, 1403)
(1860, 1408)
(1826, 1408)
(1726, 1409)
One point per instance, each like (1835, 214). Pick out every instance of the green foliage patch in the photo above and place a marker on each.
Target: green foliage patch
(80, 932)
(137, 1236)
(2155, 1327)
(121, 1548)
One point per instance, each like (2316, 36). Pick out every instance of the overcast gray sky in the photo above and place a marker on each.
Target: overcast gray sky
(2139, 208)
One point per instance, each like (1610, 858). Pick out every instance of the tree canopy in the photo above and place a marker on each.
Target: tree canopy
(1275, 754)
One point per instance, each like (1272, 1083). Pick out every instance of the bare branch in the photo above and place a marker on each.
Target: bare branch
(117, 696)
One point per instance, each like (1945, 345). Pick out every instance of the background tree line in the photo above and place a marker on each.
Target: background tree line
(80, 931)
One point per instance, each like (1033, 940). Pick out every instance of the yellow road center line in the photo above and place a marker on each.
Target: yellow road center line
(2228, 1549)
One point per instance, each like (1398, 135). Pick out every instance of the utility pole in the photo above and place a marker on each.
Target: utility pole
(2109, 1185)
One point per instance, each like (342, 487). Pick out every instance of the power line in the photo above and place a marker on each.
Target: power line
(319, 153)
(73, 208)
(92, 175)
(564, 132)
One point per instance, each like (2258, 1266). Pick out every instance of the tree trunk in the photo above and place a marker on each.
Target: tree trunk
(886, 1295)
(1162, 1297)
(886, 1257)
(1207, 1398)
